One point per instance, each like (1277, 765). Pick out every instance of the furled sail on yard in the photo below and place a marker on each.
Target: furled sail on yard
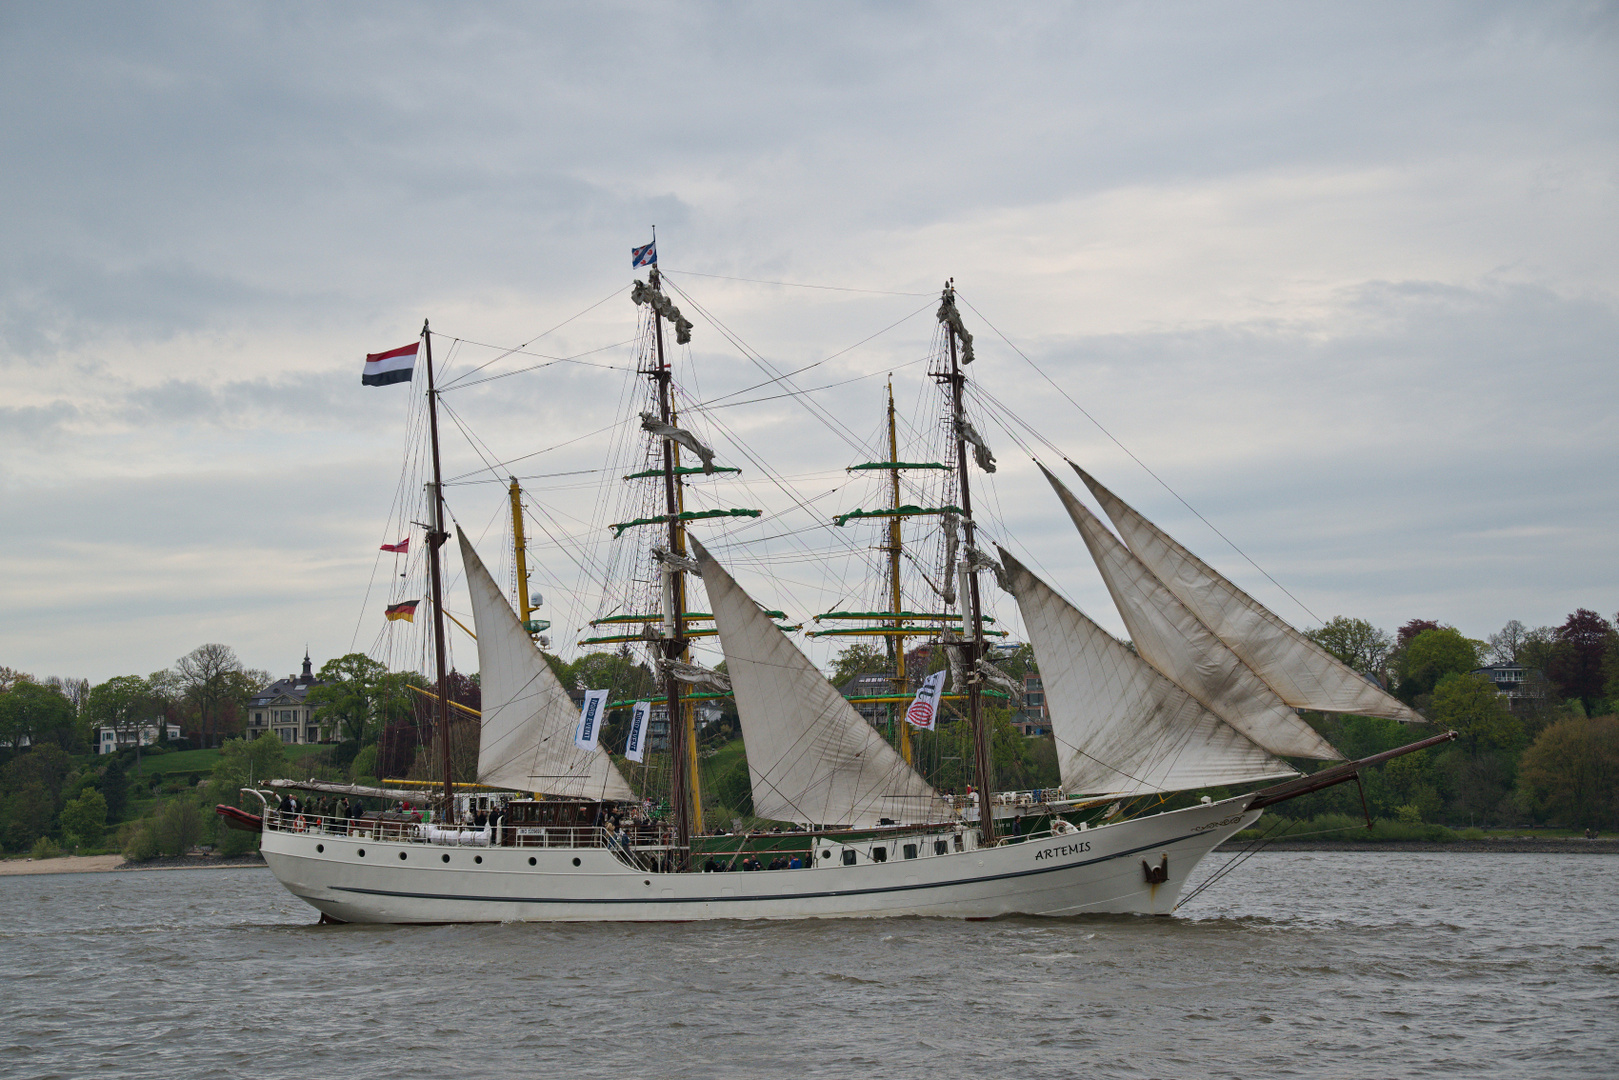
(1302, 673)
(811, 757)
(526, 742)
(1176, 642)
(1122, 727)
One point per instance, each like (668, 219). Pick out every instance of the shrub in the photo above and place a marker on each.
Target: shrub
(138, 841)
(85, 818)
(1472, 834)
(364, 765)
(45, 848)
(177, 826)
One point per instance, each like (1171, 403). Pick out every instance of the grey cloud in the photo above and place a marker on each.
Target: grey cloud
(35, 422)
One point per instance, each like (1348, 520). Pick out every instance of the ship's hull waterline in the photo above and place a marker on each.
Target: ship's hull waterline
(1085, 871)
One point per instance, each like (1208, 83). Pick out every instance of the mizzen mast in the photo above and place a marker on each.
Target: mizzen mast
(435, 540)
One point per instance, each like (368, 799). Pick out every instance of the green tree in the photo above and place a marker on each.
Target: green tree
(114, 787)
(32, 714)
(1571, 773)
(1471, 706)
(734, 788)
(84, 819)
(358, 692)
(1431, 656)
(126, 704)
(216, 687)
(246, 763)
(857, 659)
(32, 783)
(1356, 642)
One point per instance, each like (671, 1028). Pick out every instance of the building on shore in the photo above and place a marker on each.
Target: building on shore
(111, 740)
(281, 708)
(1032, 717)
(1525, 688)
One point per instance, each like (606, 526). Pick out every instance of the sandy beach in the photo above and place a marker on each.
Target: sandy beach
(100, 864)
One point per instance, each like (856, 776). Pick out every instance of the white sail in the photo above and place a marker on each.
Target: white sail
(1121, 726)
(526, 741)
(1170, 637)
(811, 757)
(1302, 673)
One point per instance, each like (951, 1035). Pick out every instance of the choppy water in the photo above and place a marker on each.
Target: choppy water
(1298, 964)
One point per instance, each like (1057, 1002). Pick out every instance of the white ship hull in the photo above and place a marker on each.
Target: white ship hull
(1091, 870)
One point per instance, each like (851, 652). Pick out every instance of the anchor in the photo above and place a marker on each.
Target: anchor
(1156, 875)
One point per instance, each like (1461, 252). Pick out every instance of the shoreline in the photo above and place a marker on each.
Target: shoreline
(1525, 845)
(105, 864)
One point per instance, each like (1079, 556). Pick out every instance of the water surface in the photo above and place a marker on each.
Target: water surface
(1297, 964)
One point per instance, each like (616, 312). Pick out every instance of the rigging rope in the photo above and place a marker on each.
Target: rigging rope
(1115, 440)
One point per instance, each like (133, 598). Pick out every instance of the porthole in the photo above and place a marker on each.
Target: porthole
(401, 856)
(446, 858)
(848, 857)
(576, 860)
(362, 853)
(827, 854)
(319, 848)
(478, 859)
(532, 860)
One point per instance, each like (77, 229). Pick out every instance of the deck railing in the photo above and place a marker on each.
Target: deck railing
(400, 829)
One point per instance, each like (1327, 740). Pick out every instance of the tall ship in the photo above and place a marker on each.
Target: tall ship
(855, 811)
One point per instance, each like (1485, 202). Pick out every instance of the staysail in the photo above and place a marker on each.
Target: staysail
(526, 741)
(1121, 726)
(1172, 639)
(811, 757)
(1302, 673)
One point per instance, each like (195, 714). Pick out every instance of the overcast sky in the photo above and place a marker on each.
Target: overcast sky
(1345, 276)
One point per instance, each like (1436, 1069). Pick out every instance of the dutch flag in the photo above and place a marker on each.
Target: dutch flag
(395, 365)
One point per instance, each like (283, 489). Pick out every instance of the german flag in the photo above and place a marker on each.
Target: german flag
(405, 609)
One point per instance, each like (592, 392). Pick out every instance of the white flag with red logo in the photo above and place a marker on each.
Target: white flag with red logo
(924, 711)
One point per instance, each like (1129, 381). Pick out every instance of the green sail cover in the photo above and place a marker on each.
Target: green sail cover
(903, 511)
(689, 515)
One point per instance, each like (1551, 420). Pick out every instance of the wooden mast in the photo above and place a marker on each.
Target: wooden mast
(435, 540)
(674, 646)
(973, 611)
(896, 641)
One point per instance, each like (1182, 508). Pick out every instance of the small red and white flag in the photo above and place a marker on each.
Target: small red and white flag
(924, 711)
(401, 548)
(395, 365)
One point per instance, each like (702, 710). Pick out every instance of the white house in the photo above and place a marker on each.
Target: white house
(111, 740)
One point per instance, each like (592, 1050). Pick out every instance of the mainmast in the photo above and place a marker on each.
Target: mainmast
(683, 774)
(435, 540)
(896, 641)
(973, 649)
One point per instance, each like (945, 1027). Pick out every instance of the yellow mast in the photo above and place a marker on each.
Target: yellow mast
(523, 610)
(894, 539)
